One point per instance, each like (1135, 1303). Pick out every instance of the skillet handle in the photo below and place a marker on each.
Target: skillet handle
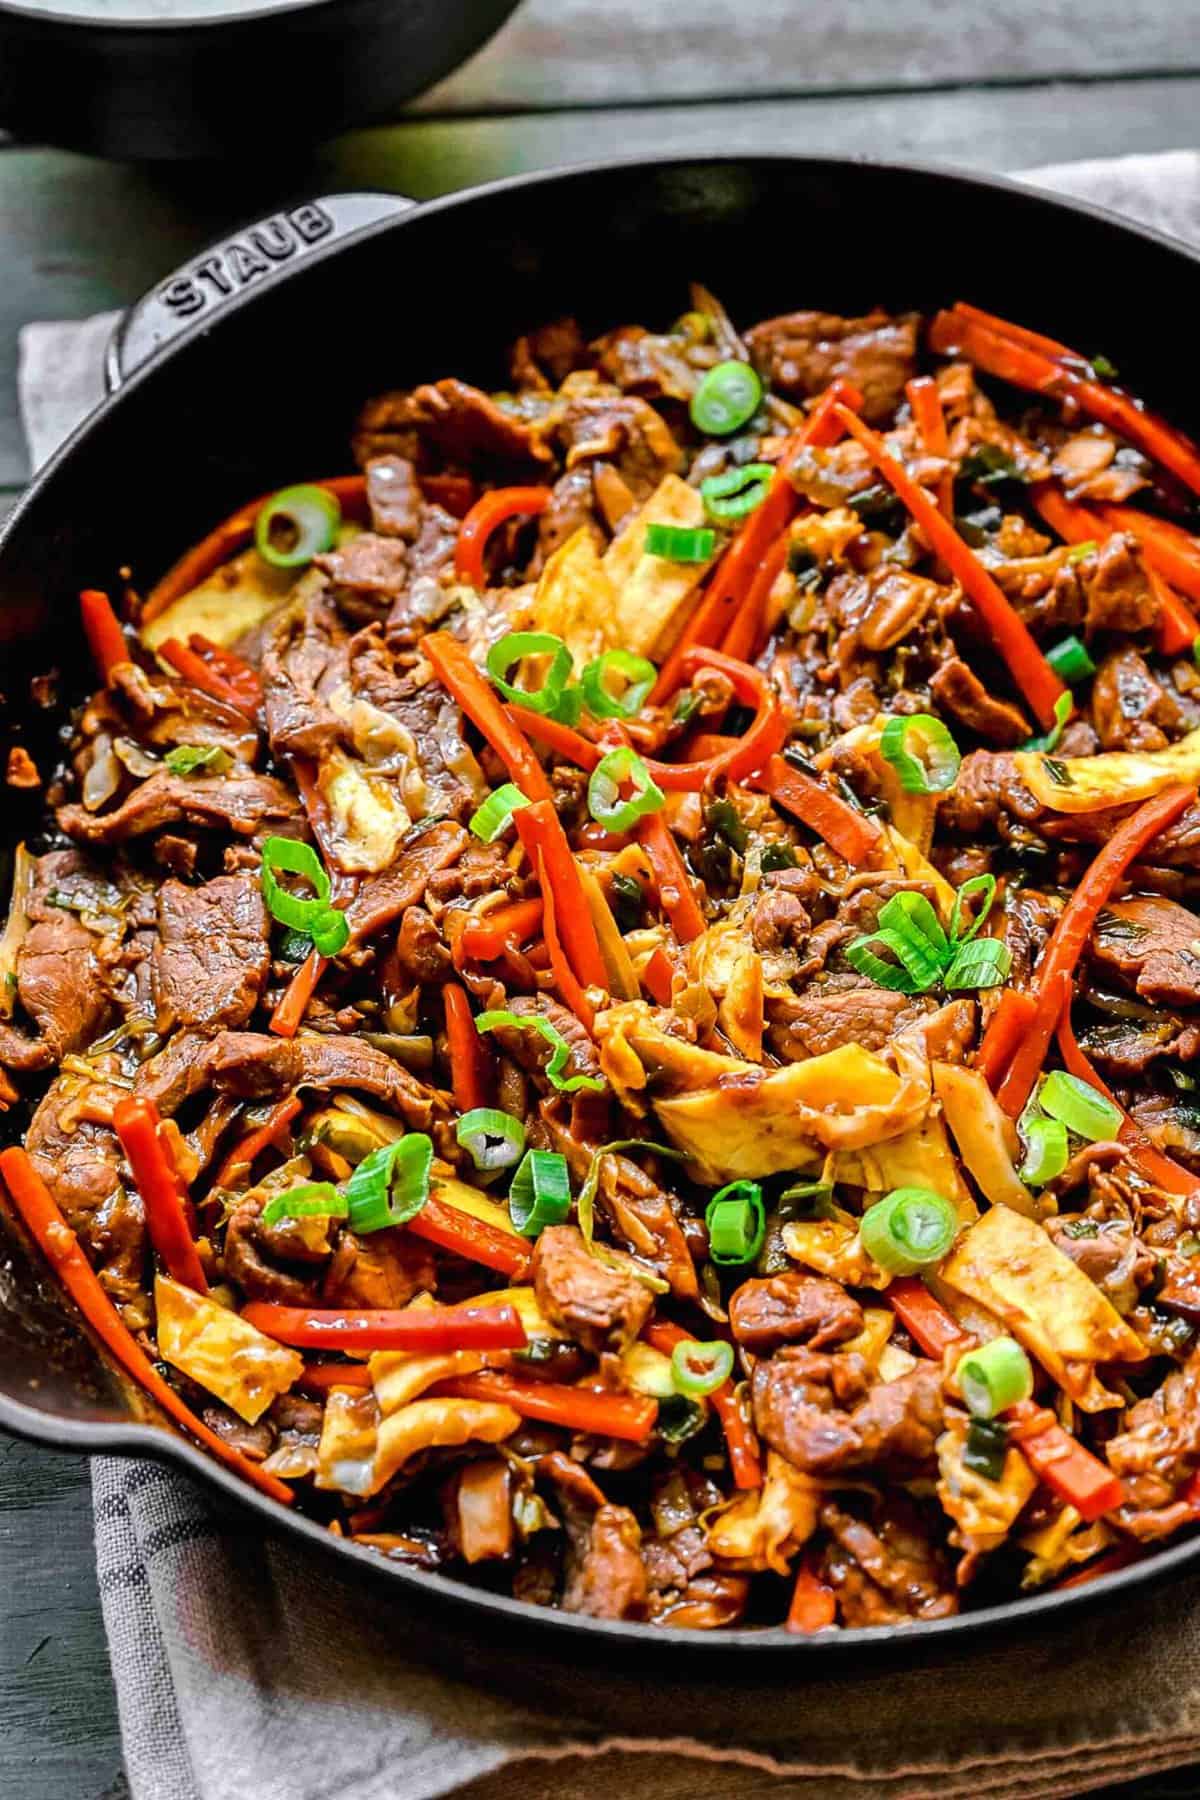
(253, 256)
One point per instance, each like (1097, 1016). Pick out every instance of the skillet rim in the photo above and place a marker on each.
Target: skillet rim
(165, 1445)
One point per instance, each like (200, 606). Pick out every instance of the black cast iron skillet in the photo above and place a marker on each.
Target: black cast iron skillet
(244, 371)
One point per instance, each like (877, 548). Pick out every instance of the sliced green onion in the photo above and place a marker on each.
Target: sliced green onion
(1063, 708)
(314, 1199)
(494, 817)
(495, 1139)
(986, 1448)
(295, 525)
(700, 1368)
(912, 972)
(637, 673)
(497, 1020)
(513, 647)
(736, 492)
(294, 946)
(1080, 1106)
(329, 930)
(911, 914)
(680, 543)
(922, 752)
(1046, 1150)
(1070, 661)
(604, 790)
(680, 1419)
(982, 963)
(908, 1229)
(994, 1377)
(1080, 552)
(540, 1194)
(198, 759)
(978, 884)
(281, 855)
(585, 1206)
(725, 398)
(391, 1185)
(736, 1223)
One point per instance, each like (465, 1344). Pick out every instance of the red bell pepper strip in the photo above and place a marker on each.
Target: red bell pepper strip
(490, 934)
(1034, 678)
(930, 421)
(462, 680)
(746, 754)
(1006, 1027)
(564, 740)
(1062, 1464)
(102, 628)
(564, 976)
(540, 831)
(193, 667)
(734, 576)
(1120, 1558)
(628, 1416)
(58, 1243)
(1020, 1078)
(1167, 547)
(1042, 366)
(1176, 626)
(432, 1330)
(1074, 927)
(456, 493)
(814, 1603)
(658, 977)
(488, 512)
(855, 836)
(285, 1020)
(234, 534)
(746, 628)
(242, 1157)
(740, 1441)
(242, 677)
(319, 1378)
(925, 1319)
(138, 1128)
(1154, 1163)
(676, 895)
(474, 1239)
(471, 1068)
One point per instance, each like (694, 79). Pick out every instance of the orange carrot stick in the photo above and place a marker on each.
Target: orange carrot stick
(560, 968)
(138, 1128)
(102, 629)
(855, 836)
(285, 1020)
(744, 1461)
(1007, 1026)
(930, 420)
(474, 1239)
(628, 1416)
(540, 830)
(1065, 1467)
(814, 1603)
(675, 892)
(471, 1068)
(458, 675)
(242, 1157)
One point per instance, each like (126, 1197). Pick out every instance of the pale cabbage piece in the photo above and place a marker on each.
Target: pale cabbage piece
(453, 1192)
(983, 1511)
(1061, 1544)
(349, 1438)
(916, 865)
(833, 1247)
(895, 1362)
(921, 1157)
(16, 927)
(1075, 784)
(764, 1529)
(871, 1342)
(653, 594)
(221, 1352)
(1011, 1267)
(986, 1136)
(438, 1424)
(912, 815)
(226, 604)
(725, 963)
(576, 600)
(367, 818)
(399, 1376)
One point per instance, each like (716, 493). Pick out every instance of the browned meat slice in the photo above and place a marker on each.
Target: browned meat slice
(798, 1395)
(802, 352)
(79, 1160)
(253, 1064)
(212, 958)
(885, 1572)
(1110, 1253)
(1158, 1453)
(972, 422)
(986, 796)
(883, 607)
(161, 711)
(386, 1269)
(1155, 944)
(557, 348)
(644, 1220)
(271, 1262)
(382, 899)
(605, 1573)
(369, 565)
(420, 954)
(1130, 709)
(959, 691)
(1123, 1049)
(530, 1049)
(239, 803)
(823, 1018)
(60, 984)
(1091, 467)
(453, 419)
(393, 497)
(600, 1307)
(304, 663)
(658, 368)
(1116, 589)
(792, 1308)
(426, 726)
(623, 430)
(571, 509)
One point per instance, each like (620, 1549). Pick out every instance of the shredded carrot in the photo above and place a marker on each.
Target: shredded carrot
(242, 1157)
(564, 740)
(675, 892)
(319, 1378)
(1120, 1558)
(658, 977)
(540, 831)
(628, 1416)
(462, 680)
(560, 968)
(855, 836)
(1007, 1026)
(472, 1071)
(473, 1239)
(193, 667)
(746, 631)
(745, 1462)
(164, 1197)
(1034, 677)
(58, 1243)
(1030, 1055)
(814, 1603)
(102, 629)
(746, 754)
(1061, 1463)
(930, 420)
(285, 1020)
(1170, 549)
(1154, 1163)
(925, 1319)
(489, 934)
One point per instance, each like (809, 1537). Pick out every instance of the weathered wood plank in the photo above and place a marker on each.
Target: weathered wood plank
(555, 53)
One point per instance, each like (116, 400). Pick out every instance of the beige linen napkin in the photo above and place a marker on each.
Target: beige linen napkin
(247, 1669)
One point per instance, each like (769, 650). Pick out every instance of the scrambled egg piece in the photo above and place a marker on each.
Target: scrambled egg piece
(218, 1349)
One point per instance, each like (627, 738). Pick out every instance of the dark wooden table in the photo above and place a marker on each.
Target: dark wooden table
(988, 83)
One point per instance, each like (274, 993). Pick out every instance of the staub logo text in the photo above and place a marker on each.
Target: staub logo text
(243, 259)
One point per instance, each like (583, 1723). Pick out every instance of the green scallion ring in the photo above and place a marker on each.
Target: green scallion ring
(1080, 1106)
(198, 759)
(1046, 1150)
(281, 855)
(513, 647)
(1070, 661)
(494, 1139)
(391, 1185)
(500, 1019)
(637, 673)
(604, 790)
(913, 916)
(737, 1223)
(978, 884)
(540, 1194)
(922, 752)
(295, 525)
(994, 1377)
(700, 1369)
(493, 818)
(981, 963)
(680, 543)
(909, 1229)
(329, 929)
(736, 492)
(1063, 708)
(313, 1199)
(725, 398)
